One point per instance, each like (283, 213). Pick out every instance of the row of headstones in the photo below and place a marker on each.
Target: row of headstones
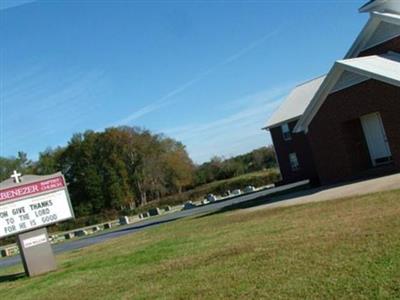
(124, 220)
(228, 193)
(154, 212)
(13, 250)
(212, 198)
(83, 232)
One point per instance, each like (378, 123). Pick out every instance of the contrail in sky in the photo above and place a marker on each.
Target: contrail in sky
(167, 99)
(5, 4)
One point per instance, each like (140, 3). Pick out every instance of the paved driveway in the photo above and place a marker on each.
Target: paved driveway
(386, 183)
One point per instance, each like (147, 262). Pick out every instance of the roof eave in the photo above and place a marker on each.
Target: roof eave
(366, 33)
(313, 107)
(268, 127)
(369, 29)
(335, 73)
(371, 6)
(370, 74)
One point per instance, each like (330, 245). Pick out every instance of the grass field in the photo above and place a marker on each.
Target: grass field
(349, 248)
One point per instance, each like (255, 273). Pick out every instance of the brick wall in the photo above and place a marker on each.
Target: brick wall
(298, 144)
(335, 134)
(390, 45)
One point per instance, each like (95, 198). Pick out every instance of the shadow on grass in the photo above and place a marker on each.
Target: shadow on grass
(12, 277)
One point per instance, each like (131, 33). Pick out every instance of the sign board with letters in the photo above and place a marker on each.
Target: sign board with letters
(37, 201)
(27, 205)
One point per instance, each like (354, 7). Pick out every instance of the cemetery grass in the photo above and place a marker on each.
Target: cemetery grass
(347, 248)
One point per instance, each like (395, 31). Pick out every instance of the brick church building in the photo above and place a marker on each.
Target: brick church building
(346, 124)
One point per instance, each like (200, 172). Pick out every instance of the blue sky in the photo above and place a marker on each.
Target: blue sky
(206, 73)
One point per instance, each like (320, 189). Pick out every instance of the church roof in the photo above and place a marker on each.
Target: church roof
(380, 27)
(381, 6)
(369, 4)
(385, 68)
(383, 25)
(296, 103)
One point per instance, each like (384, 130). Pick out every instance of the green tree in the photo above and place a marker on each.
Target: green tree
(21, 163)
(49, 161)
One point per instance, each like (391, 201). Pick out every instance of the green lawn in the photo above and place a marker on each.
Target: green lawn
(348, 248)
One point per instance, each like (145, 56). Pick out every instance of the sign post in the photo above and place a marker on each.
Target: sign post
(27, 205)
(36, 252)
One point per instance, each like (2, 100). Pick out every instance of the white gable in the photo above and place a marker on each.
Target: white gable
(381, 67)
(380, 28)
(384, 32)
(381, 6)
(385, 68)
(383, 25)
(348, 79)
(296, 103)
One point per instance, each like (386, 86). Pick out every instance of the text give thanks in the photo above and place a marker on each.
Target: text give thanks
(36, 202)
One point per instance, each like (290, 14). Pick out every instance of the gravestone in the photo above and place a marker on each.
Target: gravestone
(55, 239)
(154, 211)
(80, 233)
(27, 205)
(68, 235)
(227, 193)
(144, 215)
(107, 226)
(236, 192)
(123, 220)
(95, 228)
(188, 205)
(6, 252)
(211, 198)
(249, 189)
(205, 201)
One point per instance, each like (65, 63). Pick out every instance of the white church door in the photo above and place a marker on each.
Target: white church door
(375, 136)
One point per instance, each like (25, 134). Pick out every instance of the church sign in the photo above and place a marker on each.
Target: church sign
(27, 205)
(36, 202)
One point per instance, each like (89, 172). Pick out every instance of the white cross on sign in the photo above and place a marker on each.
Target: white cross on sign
(16, 176)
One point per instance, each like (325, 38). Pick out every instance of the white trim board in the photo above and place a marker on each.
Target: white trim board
(295, 103)
(281, 123)
(385, 68)
(381, 5)
(369, 30)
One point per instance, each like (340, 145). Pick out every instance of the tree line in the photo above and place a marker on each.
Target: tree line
(219, 168)
(127, 167)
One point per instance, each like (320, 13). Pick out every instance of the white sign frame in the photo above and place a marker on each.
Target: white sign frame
(33, 204)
